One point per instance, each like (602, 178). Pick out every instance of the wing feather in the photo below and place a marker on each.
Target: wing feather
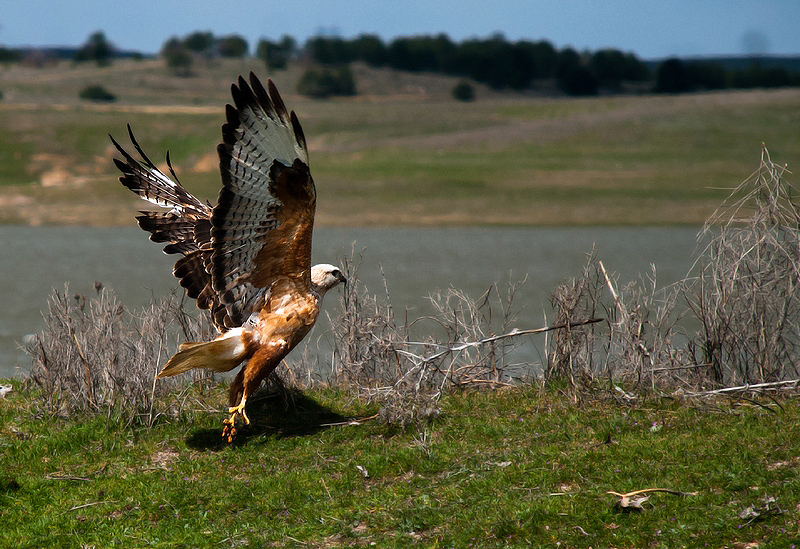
(146, 180)
(185, 228)
(258, 236)
(261, 226)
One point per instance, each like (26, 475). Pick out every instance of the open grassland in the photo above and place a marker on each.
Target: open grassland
(521, 467)
(402, 152)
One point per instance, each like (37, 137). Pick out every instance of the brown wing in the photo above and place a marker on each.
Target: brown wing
(185, 228)
(261, 226)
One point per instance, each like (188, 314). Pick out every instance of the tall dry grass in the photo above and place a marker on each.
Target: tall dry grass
(746, 291)
(733, 320)
(96, 356)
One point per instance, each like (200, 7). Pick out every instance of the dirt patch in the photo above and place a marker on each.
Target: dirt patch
(164, 458)
(207, 163)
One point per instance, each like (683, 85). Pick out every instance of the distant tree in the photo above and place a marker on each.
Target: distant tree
(672, 77)
(757, 76)
(97, 49)
(329, 50)
(200, 42)
(232, 46)
(326, 82)
(95, 92)
(613, 67)
(705, 75)
(8, 55)
(276, 55)
(178, 57)
(370, 49)
(463, 91)
(421, 53)
(573, 76)
(503, 64)
(543, 57)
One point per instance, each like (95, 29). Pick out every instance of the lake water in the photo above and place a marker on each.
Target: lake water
(416, 263)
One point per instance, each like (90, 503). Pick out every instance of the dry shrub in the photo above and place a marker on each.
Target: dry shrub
(465, 343)
(366, 337)
(95, 356)
(746, 294)
(571, 351)
(743, 296)
(645, 346)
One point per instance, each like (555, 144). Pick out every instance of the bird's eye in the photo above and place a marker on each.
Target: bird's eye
(337, 273)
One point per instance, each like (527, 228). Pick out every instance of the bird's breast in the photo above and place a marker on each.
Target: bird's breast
(290, 322)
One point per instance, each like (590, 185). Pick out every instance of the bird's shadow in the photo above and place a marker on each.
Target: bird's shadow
(274, 413)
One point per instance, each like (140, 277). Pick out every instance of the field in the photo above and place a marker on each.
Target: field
(529, 466)
(513, 468)
(401, 153)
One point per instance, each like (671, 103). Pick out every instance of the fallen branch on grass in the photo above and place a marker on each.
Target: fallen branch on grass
(632, 501)
(421, 363)
(91, 504)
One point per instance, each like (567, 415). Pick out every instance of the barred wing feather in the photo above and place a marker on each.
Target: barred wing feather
(261, 226)
(185, 228)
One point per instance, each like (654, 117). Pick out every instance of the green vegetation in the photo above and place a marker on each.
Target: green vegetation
(495, 61)
(96, 92)
(508, 468)
(523, 64)
(232, 46)
(97, 49)
(178, 56)
(327, 82)
(397, 156)
(276, 55)
(464, 91)
(678, 76)
(501, 64)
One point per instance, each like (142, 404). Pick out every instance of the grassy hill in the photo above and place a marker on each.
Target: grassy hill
(519, 468)
(401, 152)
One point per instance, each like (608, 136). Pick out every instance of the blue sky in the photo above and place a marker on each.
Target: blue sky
(652, 29)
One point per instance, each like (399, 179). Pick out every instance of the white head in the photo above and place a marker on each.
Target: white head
(324, 277)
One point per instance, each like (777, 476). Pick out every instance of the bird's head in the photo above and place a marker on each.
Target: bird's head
(325, 276)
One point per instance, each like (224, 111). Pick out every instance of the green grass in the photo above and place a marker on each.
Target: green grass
(511, 468)
(400, 159)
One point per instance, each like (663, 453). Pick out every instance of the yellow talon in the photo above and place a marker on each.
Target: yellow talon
(239, 410)
(229, 431)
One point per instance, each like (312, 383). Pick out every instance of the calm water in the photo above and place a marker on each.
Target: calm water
(416, 262)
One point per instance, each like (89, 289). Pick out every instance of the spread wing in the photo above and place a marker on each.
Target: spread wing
(261, 226)
(185, 228)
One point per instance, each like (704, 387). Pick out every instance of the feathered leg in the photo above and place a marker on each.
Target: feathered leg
(245, 384)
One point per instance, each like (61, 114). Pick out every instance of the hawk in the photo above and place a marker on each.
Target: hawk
(247, 260)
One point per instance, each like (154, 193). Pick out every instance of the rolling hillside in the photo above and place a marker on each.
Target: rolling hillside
(402, 152)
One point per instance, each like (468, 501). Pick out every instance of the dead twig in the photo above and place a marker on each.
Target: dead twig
(632, 501)
(91, 504)
(513, 333)
(790, 384)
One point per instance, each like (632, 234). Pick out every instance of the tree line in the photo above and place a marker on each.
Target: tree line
(499, 63)
(521, 65)
(495, 61)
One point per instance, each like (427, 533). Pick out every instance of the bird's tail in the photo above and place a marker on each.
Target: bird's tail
(220, 355)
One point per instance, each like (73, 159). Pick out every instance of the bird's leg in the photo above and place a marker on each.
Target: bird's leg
(229, 431)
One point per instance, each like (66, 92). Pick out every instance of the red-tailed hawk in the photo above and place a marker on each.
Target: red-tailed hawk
(247, 259)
